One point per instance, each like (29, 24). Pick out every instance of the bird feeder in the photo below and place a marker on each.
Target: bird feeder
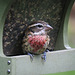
(14, 16)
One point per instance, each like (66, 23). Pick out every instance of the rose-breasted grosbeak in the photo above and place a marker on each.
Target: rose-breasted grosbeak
(36, 38)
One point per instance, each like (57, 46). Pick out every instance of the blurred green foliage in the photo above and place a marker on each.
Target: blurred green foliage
(71, 34)
(63, 73)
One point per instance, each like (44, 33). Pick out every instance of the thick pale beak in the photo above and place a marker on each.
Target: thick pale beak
(48, 27)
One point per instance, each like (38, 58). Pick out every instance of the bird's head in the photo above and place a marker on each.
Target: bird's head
(39, 28)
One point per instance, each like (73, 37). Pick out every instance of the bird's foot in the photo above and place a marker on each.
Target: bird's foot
(47, 50)
(44, 56)
(31, 56)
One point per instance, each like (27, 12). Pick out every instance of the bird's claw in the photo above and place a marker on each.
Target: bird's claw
(44, 56)
(31, 55)
(47, 50)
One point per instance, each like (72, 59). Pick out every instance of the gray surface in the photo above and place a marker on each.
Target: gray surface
(57, 61)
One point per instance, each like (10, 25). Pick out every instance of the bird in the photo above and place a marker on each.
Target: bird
(36, 39)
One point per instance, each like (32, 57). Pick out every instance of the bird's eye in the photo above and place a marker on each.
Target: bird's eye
(40, 26)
